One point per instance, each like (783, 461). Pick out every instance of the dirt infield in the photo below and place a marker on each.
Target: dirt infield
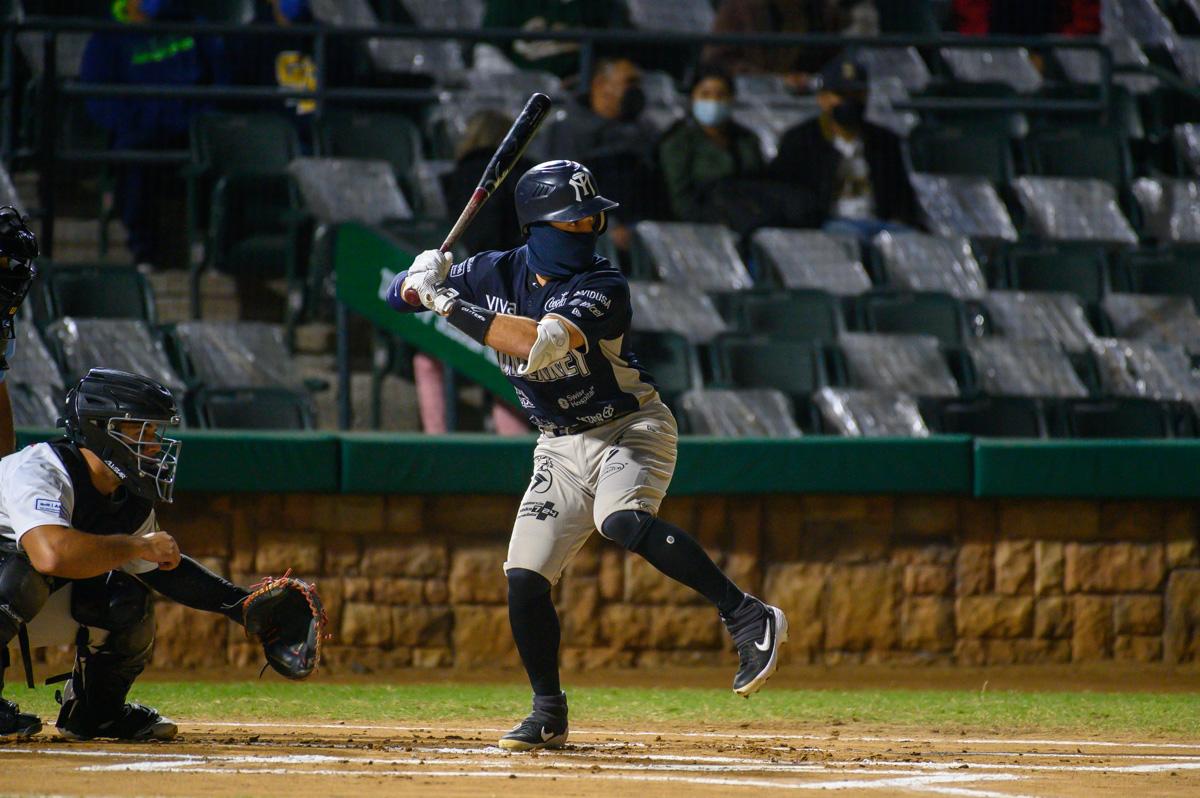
(213, 758)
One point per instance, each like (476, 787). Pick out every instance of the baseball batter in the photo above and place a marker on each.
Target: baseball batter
(18, 249)
(557, 315)
(80, 548)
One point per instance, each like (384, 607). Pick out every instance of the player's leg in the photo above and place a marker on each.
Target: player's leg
(23, 593)
(93, 700)
(633, 473)
(553, 522)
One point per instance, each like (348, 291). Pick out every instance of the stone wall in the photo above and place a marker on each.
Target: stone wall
(418, 582)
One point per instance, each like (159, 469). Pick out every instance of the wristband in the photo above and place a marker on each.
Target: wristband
(471, 319)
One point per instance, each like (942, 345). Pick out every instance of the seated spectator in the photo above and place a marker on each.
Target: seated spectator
(537, 16)
(852, 168)
(1027, 17)
(851, 17)
(144, 194)
(604, 129)
(495, 226)
(713, 166)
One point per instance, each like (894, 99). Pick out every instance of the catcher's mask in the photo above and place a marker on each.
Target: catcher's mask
(18, 249)
(123, 418)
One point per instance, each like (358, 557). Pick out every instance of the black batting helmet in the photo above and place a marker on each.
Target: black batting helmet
(96, 413)
(558, 191)
(18, 249)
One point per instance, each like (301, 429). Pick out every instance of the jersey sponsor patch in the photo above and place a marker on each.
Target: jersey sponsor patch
(48, 506)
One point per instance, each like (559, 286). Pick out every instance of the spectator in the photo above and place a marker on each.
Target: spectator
(1027, 17)
(852, 168)
(496, 227)
(539, 16)
(146, 196)
(605, 130)
(699, 153)
(852, 17)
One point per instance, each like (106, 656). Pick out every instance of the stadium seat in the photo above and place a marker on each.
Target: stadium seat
(702, 256)
(795, 367)
(671, 359)
(909, 312)
(125, 344)
(445, 13)
(1081, 270)
(1010, 66)
(1141, 370)
(253, 408)
(1154, 318)
(1175, 273)
(235, 354)
(811, 259)
(437, 58)
(236, 12)
(859, 413)
(681, 16)
(34, 382)
(375, 136)
(1187, 148)
(101, 291)
(962, 205)
(903, 63)
(792, 315)
(993, 417)
(910, 364)
(1027, 316)
(238, 174)
(1073, 209)
(920, 262)
(1080, 152)
(1170, 208)
(979, 149)
(729, 413)
(1125, 418)
(1033, 369)
(661, 307)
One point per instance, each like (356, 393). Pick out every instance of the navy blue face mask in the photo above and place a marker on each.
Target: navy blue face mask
(559, 254)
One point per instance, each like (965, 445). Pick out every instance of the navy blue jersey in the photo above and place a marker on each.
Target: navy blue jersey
(589, 386)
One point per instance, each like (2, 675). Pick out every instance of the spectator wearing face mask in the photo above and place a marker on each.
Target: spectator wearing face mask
(605, 130)
(704, 151)
(135, 56)
(852, 168)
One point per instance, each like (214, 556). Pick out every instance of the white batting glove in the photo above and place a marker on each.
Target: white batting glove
(434, 296)
(432, 262)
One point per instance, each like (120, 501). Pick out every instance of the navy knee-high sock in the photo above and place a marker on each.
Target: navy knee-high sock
(535, 629)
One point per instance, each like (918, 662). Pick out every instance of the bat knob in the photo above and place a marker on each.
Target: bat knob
(412, 297)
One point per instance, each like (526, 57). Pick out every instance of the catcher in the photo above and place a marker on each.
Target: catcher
(80, 548)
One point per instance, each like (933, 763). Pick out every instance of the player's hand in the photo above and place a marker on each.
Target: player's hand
(431, 262)
(161, 548)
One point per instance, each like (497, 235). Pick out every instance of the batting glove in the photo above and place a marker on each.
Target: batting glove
(432, 262)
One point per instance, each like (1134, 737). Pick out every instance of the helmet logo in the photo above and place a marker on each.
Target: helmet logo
(582, 183)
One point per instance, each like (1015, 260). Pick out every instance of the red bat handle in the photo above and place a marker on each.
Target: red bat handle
(468, 213)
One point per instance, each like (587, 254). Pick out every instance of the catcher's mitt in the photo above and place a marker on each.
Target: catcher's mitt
(287, 616)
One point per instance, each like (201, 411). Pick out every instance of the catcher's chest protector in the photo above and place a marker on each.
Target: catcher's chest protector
(94, 512)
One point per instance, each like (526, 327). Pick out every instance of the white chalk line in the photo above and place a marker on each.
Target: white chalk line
(704, 735)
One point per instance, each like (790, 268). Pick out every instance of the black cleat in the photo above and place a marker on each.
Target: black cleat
(546, 726)
(136, 723)
(758, 630)
(15, 724)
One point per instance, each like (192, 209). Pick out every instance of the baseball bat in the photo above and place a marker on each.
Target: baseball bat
(503, 160)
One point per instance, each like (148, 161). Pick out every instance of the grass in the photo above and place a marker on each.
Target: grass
(1142, 715)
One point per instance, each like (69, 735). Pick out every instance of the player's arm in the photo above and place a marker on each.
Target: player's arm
(72, 554)
(516, 335)
(8, 438)
(193, 585)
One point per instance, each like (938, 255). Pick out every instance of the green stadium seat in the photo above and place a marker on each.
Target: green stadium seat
(979, 149)
(1175, 273)
(238, 174)
(670, 358)
(97, 291)
(795, 367)
(991, 417)
(375, 135)
(799, 315)
(1128, 418)
(253, 408)
(1080, 151)
(1081, 270)
(927, 313)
